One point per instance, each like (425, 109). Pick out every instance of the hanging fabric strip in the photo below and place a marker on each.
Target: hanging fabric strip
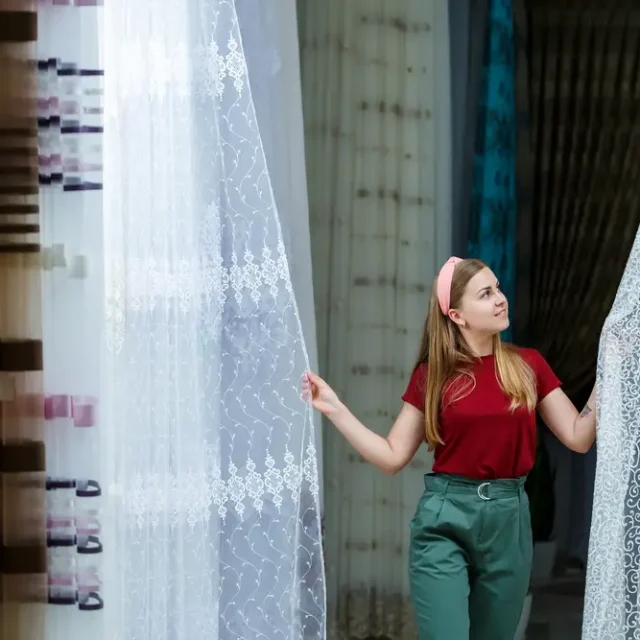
(70, 177)
(492, 225)
(612, 603)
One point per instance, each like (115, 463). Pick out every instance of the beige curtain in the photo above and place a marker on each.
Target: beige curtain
(376, 105)
(22, 519)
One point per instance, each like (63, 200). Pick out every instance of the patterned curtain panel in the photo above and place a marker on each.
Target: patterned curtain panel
(612, 602)
(70, 174)
(210, 460)
(492, 224)
(271, 47)
(376, 104)
(22, 460)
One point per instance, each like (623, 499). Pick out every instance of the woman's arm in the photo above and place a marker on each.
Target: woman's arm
(390, 454)
(575, 430)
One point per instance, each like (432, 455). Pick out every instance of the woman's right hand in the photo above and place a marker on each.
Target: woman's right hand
(323, 397)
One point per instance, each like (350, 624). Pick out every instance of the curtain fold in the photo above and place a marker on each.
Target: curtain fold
(211, 470)
(612, 606)
(467, 26)
(377, 112)
(492, 223)
(70, 175)
(22, 455)
(584, 93)
(271, 47)
(578, 162)
(524, 172)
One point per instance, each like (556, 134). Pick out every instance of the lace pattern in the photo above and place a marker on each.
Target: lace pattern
(197, 496)
(204, 282)
(612, 603)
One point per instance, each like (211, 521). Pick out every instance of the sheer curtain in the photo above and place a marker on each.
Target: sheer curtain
(70, 171)
(376, 96)
(270, 40)
(211, 466)
(612, 605)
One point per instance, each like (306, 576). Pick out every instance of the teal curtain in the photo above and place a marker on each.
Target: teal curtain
(492, 223)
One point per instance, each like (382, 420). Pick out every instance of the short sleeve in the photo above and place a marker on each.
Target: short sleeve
(417, 388)
(546, 379)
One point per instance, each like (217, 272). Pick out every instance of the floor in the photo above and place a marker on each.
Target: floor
(556, 612)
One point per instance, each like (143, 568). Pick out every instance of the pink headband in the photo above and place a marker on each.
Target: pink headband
(444, 283)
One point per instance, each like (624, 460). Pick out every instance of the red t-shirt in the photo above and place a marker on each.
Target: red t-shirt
(483, 438)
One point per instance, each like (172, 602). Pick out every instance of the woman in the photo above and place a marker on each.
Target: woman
(474, 398)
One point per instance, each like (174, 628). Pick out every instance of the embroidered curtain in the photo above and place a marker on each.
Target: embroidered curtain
(271, 48)
(210, 461)
(612, 607)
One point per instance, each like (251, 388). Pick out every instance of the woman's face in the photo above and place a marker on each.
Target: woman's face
(483, 307)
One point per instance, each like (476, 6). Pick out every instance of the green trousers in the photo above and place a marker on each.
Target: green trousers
(470, 558)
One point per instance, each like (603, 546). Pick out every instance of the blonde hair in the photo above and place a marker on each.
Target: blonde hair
(449, 359)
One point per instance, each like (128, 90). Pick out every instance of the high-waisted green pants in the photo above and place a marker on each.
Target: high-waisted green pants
(470, 558)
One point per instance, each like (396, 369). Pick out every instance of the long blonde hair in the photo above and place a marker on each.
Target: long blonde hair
(449, 359)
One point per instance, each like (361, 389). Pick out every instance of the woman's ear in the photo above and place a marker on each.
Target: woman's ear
(455, 317)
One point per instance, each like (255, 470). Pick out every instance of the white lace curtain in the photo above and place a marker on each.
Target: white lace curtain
(211, 465)
(377, 108)
(270, 40)
(612, 605)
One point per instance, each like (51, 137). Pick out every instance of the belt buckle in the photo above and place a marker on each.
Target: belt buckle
(480, 492)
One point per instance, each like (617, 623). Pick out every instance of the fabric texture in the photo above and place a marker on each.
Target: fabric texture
(471, 551)
(23, 560)
(70, 94)
(520, 305)
(377, 108)
(612, 605)
(483, 438)
(580, 167)
(211, 469)
(467, 29)
(492, 224)
(272, 50)
(578, 203)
